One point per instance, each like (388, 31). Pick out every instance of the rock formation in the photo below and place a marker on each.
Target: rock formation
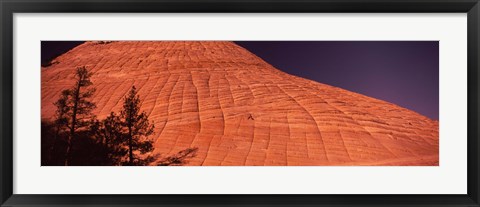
(239, 110)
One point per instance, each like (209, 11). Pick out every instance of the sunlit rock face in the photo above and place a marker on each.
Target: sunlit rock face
(239, 110)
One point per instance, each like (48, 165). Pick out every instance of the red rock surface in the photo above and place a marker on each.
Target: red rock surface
(239, 110)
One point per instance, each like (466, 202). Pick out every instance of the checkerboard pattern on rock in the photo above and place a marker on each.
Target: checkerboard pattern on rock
(239, 110)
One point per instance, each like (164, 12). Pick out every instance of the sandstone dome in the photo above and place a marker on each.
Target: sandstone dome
(241, 111)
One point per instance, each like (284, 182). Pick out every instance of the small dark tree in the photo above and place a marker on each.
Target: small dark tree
(60, 123)
(74, 109)
(138, 128)
(109, 134)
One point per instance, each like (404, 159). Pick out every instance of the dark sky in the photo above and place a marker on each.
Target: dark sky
(405, 73)
(52, 49)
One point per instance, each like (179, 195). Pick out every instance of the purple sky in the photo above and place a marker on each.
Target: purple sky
(405, 73)
(401, 72)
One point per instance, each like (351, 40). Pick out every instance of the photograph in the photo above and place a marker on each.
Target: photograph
(239, 103)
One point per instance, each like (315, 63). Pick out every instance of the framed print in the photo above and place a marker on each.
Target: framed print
(196, 103)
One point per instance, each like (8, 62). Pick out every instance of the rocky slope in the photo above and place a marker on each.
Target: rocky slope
(239, 110)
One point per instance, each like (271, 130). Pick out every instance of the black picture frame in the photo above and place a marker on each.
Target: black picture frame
(10, 7)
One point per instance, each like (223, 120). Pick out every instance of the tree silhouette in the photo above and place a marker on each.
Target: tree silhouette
(138, 129)
(74, 109)
(60, 123)
(77, 137)
(109, 134)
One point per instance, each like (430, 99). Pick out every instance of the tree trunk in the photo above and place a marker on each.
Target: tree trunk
(74, 122)
(54, 147)
(130, 148)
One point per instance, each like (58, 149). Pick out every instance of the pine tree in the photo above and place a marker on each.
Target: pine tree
(74, 109)
(60, 123)
(109, 134)
(138, 128)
